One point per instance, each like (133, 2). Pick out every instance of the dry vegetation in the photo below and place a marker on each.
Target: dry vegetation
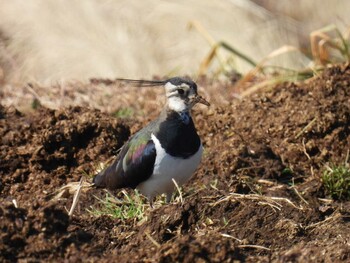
(75, 40)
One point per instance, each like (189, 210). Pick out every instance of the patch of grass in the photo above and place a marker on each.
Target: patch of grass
(129, 207)
(287, 172)
(36, 104)
(336, 180)
(124, 113)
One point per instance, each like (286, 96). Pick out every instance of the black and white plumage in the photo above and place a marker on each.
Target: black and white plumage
(167, 148)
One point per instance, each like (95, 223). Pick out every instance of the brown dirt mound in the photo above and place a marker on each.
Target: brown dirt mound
(257, 196)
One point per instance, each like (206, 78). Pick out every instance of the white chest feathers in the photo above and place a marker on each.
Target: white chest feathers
(166, 168)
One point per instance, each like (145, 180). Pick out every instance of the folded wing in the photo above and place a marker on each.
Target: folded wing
(134, 164)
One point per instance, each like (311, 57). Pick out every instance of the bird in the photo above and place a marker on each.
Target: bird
(168, 148)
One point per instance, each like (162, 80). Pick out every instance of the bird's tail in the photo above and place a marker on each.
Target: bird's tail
(99, 179)
(107, 178)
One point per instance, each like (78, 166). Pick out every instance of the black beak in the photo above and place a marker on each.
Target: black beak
(200, 99)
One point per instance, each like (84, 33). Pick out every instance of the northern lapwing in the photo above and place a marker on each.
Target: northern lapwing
(167, 149)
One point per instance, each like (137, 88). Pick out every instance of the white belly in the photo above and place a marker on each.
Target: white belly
(167, 168)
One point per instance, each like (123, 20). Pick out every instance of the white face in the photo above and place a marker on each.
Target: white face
(179, 97)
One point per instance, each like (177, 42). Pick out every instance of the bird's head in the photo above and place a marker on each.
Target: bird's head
(182, 94)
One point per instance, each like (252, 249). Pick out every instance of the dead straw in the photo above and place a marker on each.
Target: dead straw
(76, 196)
(263, 200)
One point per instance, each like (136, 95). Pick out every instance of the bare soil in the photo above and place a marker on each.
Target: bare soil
(257, 196)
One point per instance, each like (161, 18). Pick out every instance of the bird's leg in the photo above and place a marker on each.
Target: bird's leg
(168, 197)
(150, 202)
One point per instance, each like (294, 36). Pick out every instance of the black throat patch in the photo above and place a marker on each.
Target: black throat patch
(178, 136)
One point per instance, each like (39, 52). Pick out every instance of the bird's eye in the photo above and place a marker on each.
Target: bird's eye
(180, 91)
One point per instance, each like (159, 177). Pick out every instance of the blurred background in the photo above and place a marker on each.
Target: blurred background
(52, 40)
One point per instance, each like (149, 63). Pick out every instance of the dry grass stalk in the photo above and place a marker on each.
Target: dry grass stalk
(306, 128)
(229, 236)
(300, 196)
(70, 188)
(264, 200)
(179, 190)
(76, 197)
(253, 246)
(152, 239)
(328, 220)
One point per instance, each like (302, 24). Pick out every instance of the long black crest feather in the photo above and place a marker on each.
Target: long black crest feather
(144, 83)
(133, 82)
(141, 82)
